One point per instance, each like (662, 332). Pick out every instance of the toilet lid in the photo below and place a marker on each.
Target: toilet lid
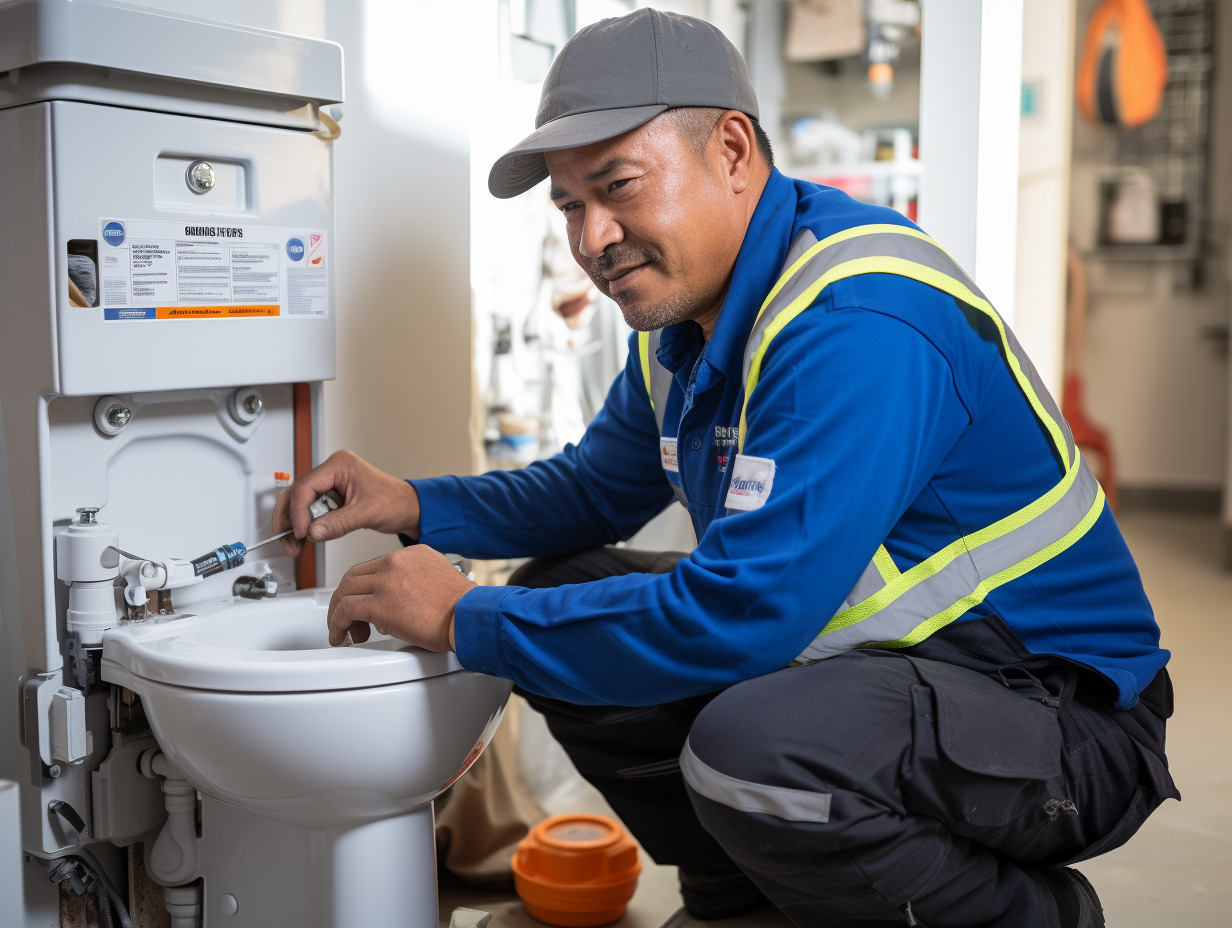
(270, 646)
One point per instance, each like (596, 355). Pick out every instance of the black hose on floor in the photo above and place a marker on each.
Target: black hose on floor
(113, 895)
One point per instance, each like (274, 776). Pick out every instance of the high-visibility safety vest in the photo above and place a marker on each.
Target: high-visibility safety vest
(888, 608)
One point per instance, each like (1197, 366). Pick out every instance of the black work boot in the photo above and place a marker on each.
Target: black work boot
(718, 893)
(1077, 903)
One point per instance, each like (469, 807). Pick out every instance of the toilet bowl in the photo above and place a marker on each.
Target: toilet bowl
(317, 766)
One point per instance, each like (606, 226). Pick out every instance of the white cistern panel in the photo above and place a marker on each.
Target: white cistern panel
(189, 252)
(181, 478)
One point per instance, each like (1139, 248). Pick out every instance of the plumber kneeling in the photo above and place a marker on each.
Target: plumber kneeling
(909, 674)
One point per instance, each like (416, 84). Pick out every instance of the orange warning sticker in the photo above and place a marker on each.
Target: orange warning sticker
(191, 312)
(214, 312)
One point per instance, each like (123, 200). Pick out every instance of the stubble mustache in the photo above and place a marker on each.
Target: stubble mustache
(618, 256)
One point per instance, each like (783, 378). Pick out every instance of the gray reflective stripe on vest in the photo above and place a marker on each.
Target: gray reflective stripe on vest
(1037, 384)
(962, 575)
(660, 380)
(660, 387)
(870, 582)
(793, 805)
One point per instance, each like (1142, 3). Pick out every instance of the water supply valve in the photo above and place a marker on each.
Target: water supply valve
(141, 575)
(79, 565)
(264, 586)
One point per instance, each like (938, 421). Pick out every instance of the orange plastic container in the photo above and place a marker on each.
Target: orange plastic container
(576, 871)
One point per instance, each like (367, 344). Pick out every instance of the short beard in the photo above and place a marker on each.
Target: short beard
(676, 308)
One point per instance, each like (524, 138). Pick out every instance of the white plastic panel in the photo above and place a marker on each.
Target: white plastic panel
(106, 164)
(171, 193)
(11, 903)
(181, 479)
(179, 48)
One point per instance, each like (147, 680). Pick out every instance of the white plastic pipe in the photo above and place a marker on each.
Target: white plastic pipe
(183, 905)
(175, 857)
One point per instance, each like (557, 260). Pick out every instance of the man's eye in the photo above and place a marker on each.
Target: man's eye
(617, 184)
(570, 207)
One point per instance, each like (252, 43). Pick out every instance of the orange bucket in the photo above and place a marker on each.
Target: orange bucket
(576, 871)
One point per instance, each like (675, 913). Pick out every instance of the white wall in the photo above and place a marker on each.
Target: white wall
(402, 398)
(1043, 186)
(970, 81)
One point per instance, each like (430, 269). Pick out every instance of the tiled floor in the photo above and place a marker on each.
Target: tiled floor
(1177, 872)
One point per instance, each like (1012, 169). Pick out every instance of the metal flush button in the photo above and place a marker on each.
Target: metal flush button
(696, 443)
(201, 177)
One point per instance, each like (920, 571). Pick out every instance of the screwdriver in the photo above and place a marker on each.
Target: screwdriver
(326, 502)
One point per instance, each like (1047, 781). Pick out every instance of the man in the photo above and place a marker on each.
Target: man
(909, 672)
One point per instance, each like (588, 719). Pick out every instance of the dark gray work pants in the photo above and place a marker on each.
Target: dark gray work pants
(876, 787)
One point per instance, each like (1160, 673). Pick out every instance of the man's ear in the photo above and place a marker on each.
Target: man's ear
(737, 145)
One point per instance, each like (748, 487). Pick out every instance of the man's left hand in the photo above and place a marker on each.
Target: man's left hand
(410, 594)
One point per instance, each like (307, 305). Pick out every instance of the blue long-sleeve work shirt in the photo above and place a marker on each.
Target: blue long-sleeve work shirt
(890, 416)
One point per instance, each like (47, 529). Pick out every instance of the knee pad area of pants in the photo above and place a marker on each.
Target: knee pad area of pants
(774, 728)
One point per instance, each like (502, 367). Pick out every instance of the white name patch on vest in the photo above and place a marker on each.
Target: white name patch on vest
(667, 454)
(751, 480)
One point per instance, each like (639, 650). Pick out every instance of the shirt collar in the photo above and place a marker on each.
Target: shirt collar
(757, 267)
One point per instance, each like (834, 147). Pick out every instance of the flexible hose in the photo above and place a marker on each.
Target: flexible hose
(104, 905)
(117, 901)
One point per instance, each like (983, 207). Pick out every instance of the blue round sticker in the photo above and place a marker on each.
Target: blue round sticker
(295, 249)
(113, 233)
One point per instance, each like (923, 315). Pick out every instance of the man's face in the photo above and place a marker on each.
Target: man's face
(651, 221)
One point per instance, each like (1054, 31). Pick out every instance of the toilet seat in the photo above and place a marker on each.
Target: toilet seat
(270, 646)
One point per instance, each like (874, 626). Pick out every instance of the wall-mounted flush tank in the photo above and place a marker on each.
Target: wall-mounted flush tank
(169, 319)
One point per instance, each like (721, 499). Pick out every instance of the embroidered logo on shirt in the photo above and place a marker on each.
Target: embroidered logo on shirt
(667, 454)
(751, 482)
(725, 437)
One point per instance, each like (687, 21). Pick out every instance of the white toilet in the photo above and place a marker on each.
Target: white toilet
(317, 766)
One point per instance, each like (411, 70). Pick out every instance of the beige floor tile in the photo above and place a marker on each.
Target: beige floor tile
(1177, 871)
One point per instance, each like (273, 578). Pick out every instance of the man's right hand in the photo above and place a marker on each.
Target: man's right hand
(371, 499)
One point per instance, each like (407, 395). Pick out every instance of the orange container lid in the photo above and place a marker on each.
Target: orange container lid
(576, 871)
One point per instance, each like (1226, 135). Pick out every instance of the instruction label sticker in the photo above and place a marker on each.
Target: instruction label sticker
(181, 270)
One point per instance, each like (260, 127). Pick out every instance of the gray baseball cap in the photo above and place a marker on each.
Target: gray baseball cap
(618, 74)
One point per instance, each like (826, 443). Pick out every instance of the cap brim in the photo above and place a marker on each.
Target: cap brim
(523, 166)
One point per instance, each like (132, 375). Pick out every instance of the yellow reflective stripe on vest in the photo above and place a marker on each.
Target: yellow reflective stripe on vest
(657, 377)
(938, 590)
(643, 349)
(1013, 572)
(885, 565)
(834, 239)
